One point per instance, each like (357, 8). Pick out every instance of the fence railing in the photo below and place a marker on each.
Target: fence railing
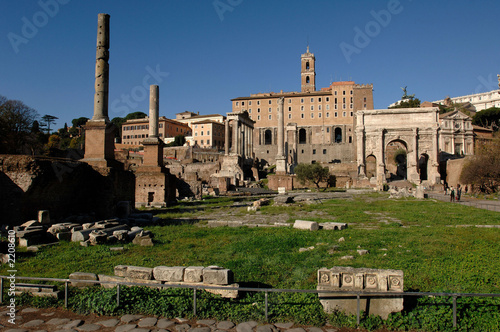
(341, 294)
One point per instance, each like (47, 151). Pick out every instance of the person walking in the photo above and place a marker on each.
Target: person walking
(452, 194)
(459, 192)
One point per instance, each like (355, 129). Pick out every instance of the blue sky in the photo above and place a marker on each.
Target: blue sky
(205, 52)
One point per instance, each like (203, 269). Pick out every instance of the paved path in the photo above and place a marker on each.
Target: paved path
(492, 205)
(55, 319)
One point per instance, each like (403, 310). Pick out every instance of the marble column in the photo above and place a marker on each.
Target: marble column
(153, 111)
(102, 69)
(235, 137)
(226, 137)
(280, 157)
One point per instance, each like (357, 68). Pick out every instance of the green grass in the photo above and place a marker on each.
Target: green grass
(419, 237)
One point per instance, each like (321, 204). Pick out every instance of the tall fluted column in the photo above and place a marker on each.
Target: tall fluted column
(153, 110)
(102, 69)
(235, 137)
(226, 137)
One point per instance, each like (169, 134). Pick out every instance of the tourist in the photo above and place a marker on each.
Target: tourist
(459, 192)
(452, 194)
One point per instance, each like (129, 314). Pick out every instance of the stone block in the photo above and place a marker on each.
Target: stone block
(307, 225)
(281, 190)
(336, 226)
(338, 279)
(139, 272)
(193, 274)
(44, 217)
(121, 270)
(146, 283)
(144, 241)
(217, 276)
(82, 276)
(32, 224)
(169, 273)
(106, 278)
(64, 236)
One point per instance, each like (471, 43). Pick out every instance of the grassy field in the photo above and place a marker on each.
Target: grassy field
(426, 239)
(418, 237)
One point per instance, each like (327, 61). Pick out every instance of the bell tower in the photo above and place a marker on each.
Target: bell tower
(308, 72)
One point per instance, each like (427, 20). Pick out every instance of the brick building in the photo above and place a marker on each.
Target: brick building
(135, 131)
(319, 124)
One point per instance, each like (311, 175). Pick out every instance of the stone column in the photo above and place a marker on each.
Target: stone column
(361, 153)
(226, 137)
(102, 69)
(280, 157)
(380, 161)
(235, 136)
(153, 111)
(281, 127)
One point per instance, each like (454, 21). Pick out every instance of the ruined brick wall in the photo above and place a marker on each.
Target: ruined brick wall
(29, 184)
(454, 169)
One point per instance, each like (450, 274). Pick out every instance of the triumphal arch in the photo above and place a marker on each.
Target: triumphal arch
(398, 144)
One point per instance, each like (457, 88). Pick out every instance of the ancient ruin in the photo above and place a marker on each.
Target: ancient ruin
(347, 279)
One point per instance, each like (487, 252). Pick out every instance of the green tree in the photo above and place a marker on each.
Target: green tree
(179, 140)
(54, 141)
(488, 118)
(47, 120)
(76, 125)
(16, 123)
(409, 103)
(314, 173)
(483, 170)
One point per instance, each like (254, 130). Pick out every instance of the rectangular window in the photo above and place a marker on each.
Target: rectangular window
(289, 109)
(208, 142)
(324, 151)
(336, 114)
(335, 100)
(301, 108)
(327, 98)
(242, 103)
(335, 106)
(270, 117)
(201, 142)
(319, 115)
(270, 101)
(319, 99)
(258, 110)
(302, 116)
(250, 103)
(351, 92)
(312, 100)
(237, 103)
(289, 115)
(343, 100)
(364, 99)
(327, 114)
(301, 100)
(314, 151)
(319, 107)
(258, 102)
(312, 107)
(351, 106)
(352, 114)
(196, 134)
(343, 114)
(250, 110)
(289, 101)
(327, 107)
(270, 109)
(335, 93)
(208, 132)
(343, 92)
(343, 106)
(258, 117)
(327, 129)
(312, 115)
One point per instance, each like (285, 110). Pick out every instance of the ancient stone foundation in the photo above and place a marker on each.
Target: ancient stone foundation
(347, 279)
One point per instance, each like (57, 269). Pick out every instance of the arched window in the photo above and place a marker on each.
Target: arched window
(302, 136)
(307, 65)
(307, 79)
(268, 137)
(338, 135)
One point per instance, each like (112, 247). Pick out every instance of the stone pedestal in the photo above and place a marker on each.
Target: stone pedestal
(281, 165)
(277, 181)
(99, 143)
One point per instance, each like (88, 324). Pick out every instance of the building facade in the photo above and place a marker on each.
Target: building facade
(136, 130)
(208, 134)
(456, 134)
(319, 125)
(479, 101)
